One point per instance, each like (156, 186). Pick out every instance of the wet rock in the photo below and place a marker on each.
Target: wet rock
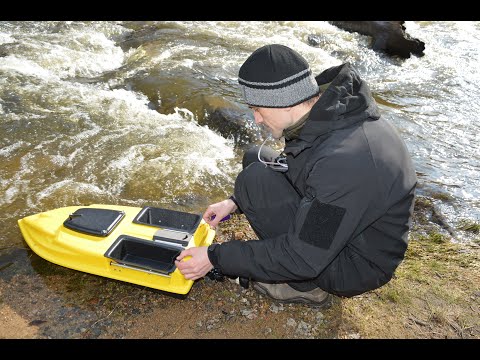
(36, 322)
(388, 36)
(9, 48)
(154, 105)
(234, 123)
(148, 34)
(438, 218)
(314, 40)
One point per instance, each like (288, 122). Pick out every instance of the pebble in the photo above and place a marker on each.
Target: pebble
(274, 308)
(291, 322)
(319, 317)
(245, 301)
(303, 328)
(249, 314)
(245, 312)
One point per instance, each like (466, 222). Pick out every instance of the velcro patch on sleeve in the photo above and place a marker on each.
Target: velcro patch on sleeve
(321, 224)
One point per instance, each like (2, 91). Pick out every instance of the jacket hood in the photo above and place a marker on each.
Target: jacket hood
(345, 102)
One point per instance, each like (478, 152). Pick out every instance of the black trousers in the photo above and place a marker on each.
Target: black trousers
(268, 199)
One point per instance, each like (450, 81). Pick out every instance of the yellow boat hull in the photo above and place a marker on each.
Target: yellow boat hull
(47, 236)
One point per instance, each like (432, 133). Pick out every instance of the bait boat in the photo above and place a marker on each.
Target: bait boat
(132, 244)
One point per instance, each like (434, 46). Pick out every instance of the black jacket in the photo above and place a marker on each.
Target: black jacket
(357, 183)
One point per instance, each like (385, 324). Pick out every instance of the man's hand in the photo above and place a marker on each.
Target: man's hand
(216, 212)
(195, 267)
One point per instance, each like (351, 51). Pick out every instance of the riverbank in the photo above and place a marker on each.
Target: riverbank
(434, 294)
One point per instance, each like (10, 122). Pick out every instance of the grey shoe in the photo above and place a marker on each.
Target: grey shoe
(286, 294)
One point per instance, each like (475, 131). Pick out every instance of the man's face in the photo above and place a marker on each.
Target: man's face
(273, 119)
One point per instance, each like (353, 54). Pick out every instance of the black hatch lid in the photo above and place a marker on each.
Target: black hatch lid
(94, 221)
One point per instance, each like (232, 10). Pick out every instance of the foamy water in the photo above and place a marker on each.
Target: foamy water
(116, 112)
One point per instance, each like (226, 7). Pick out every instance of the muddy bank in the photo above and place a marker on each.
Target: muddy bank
(40, 300)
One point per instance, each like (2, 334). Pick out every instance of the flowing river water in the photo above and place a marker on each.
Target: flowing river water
(150, 113)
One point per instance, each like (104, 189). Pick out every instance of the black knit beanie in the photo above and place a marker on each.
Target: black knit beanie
(275, 76)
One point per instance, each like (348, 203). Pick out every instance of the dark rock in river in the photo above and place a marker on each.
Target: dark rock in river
(233, 123)
(314, 40)
(388, 36)
(9, 48)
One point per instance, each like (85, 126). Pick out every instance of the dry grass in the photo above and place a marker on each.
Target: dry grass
(434, 293)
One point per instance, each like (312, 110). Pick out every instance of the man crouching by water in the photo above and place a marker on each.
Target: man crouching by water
(333, 210)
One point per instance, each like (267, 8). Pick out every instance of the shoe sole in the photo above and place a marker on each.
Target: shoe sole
(326, 303)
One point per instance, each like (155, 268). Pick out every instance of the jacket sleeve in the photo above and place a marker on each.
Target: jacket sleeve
(338, 193)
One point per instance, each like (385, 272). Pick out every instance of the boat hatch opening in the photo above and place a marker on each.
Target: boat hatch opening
(168, 219)
(143, 254)
(93, 221)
